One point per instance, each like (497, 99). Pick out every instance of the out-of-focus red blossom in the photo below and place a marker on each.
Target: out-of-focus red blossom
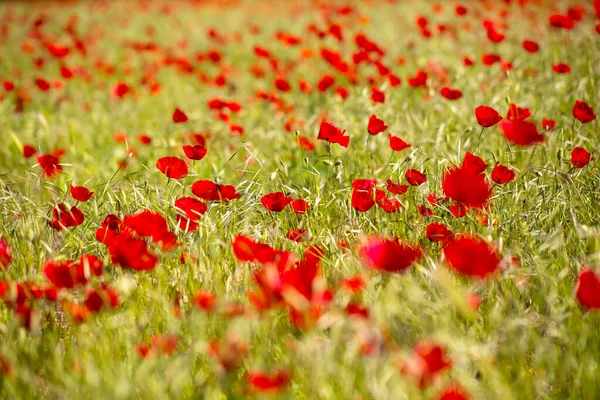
(561, 21)
(487, 116)
(306, 143)
(453, 392)
(172, 167)
(376, 125)
(587, 289)
(5, 253)
(50, 165)
(419, 80)
(516, 113)
(299, 206)
(5, 366)
(331, 133)
(131, 252)
(179, 116)
(414, 177)
(29, 151)
(276, 201)
(8, 86)
(81, 193)
(548, 124)
(397, 144)
(42, 84)
(296, 235)
(427, 361)
(205, 301)
(357, 310)
(580, 157)
(471, 256)
(490, 59)
(101, 298)
(354, 284)
(388, 255)
(583, 112)
(377, 96)
(522, 133)
(195, 152)
(68, 274)
(451, 94)
(531, 46)
(272, 382)
(249, 250)
(120, 90)
(561, 68)
(467, 185)
(362, 194)
(64, 217)
(211, 191)
(229, 352)
(424, 211)
(437, 232)
(502, 174)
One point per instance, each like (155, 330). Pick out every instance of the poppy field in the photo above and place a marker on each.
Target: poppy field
(383, 199)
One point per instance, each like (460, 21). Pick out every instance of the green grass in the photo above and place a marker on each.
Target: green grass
(527, 340)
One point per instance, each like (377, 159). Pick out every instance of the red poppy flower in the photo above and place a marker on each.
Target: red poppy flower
(531, 46)
(275, 201)
(419, 80)
(50, 165)
(172, 167)
(583, 112)
(268, 382)
(377, 96)
(306, 143)
(487, 116)
(8, 86)
(120, 90)
(454, 392)
(561, 68)
(81, 193)
(325, 83)
(64, 217)
(210, 191)
(29, 151)
(296, 235)
(580, 157)
(131, 252)
(5, 253)
(331, 133)
(102, 298)
(362, 194)
(473, 164)
(195, 152)
(548, 124)
(517, 113)
(376, 125)
(561, 21)
(451, 94)
(179, 116)
(282, 85)
(388, 205)
(388, 255)
(397, 144)
(471, 256)
(467, 187)
(299, 206)
(396, 188)
(42, 84)
(502, 174)
(490, 59)
(522, 133)
(427, 361)
(414, 177)
(587, 289)
(437, 232)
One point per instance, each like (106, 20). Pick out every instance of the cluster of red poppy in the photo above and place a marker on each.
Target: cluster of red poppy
(351, 65)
